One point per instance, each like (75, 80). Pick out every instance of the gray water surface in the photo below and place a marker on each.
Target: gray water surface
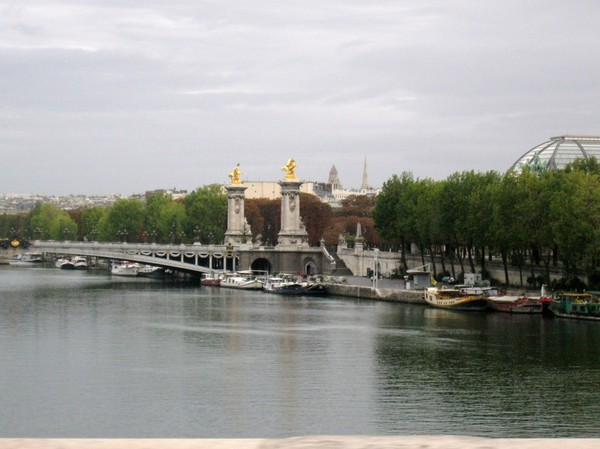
(84, 355)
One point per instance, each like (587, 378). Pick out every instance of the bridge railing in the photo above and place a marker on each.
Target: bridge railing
(126, 246)
(194, 258)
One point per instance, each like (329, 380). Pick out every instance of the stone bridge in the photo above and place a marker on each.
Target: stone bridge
(198, 259)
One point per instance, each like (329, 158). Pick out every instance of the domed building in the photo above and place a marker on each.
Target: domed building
(559, 151)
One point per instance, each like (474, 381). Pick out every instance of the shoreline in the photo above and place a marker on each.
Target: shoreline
(389, 290)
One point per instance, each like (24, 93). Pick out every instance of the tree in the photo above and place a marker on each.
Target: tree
(394, 212)
(357, 205)
(589, 165)
(156, 228)
(49, 221)
(11, 225)
(206, 213)
(265, 218)
(165, 219)
(124, 221)
(575, 210)
(508, 233)
(91, 219)
(316, 216)
(426, 214)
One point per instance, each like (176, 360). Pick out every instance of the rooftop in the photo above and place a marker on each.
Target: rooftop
(559, 151)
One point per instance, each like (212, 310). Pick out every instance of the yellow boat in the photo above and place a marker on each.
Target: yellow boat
(456, 299)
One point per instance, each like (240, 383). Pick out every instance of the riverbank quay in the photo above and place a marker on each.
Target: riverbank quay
(388, 290)
(308, 442)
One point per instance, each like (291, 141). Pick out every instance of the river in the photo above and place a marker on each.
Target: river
(86, 355)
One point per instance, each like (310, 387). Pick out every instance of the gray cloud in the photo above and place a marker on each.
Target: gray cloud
(124, 96)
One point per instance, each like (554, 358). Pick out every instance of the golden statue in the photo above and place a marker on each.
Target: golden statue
(235, 175)
(290, 168)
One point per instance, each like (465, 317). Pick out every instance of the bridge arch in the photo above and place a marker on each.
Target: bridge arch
(262, 264)
(309, 266)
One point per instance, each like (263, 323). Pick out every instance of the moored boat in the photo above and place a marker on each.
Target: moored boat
(124, 269)
(516, 304)
(455, 299)
(26, 259)
(79, 263)
(242, 281)
(211, 280)
(583, 306)
(64, 264)
(302, 289)
(154, 272)
(273, 283)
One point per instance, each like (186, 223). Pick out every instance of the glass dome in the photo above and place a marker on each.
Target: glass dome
(559, 151)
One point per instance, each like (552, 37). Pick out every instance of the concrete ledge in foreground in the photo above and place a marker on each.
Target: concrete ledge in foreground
(309, 442)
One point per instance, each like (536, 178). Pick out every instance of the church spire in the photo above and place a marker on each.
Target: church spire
(334, 180)
(365, 180)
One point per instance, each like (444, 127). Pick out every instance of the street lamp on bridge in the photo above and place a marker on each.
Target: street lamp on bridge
(123, 235)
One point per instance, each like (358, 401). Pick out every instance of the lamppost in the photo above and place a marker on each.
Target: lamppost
(376, 269)
(66, 232)
(197, 234)
(123, 235)
(172, 233)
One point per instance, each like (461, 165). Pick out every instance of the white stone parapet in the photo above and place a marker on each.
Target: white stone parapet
(307, 442)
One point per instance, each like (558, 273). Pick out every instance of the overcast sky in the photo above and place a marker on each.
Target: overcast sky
(123, 96)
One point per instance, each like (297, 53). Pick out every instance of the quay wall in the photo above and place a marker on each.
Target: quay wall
(380, 294)
(307, 442)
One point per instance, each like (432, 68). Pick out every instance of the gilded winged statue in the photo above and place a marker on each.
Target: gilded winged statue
(290, 169)
(235, 175)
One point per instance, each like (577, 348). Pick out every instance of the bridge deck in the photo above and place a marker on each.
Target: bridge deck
(188, 258)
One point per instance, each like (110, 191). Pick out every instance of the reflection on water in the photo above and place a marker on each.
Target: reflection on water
(493, 374)
(85, 356)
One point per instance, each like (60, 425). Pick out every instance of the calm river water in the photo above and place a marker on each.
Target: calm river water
(84, 355)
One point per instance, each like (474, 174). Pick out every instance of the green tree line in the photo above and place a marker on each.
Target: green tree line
(530, 220)
(200, 217)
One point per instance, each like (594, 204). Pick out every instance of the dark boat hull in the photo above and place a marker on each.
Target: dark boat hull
(517, 306)
(301, 290)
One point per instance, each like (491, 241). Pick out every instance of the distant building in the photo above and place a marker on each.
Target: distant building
(174, 193)
(331, 192)
(559, 151)
(338, 193)
(271, 189)
(334, 180)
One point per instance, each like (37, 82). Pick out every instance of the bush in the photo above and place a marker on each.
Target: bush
(573, 284)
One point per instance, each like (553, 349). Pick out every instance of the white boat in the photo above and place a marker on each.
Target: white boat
(211, 280)
(152, 271)
(273, 284)
(124, 269)
(79, 263)
(243, 281)
(26, 259)
(64, 264)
